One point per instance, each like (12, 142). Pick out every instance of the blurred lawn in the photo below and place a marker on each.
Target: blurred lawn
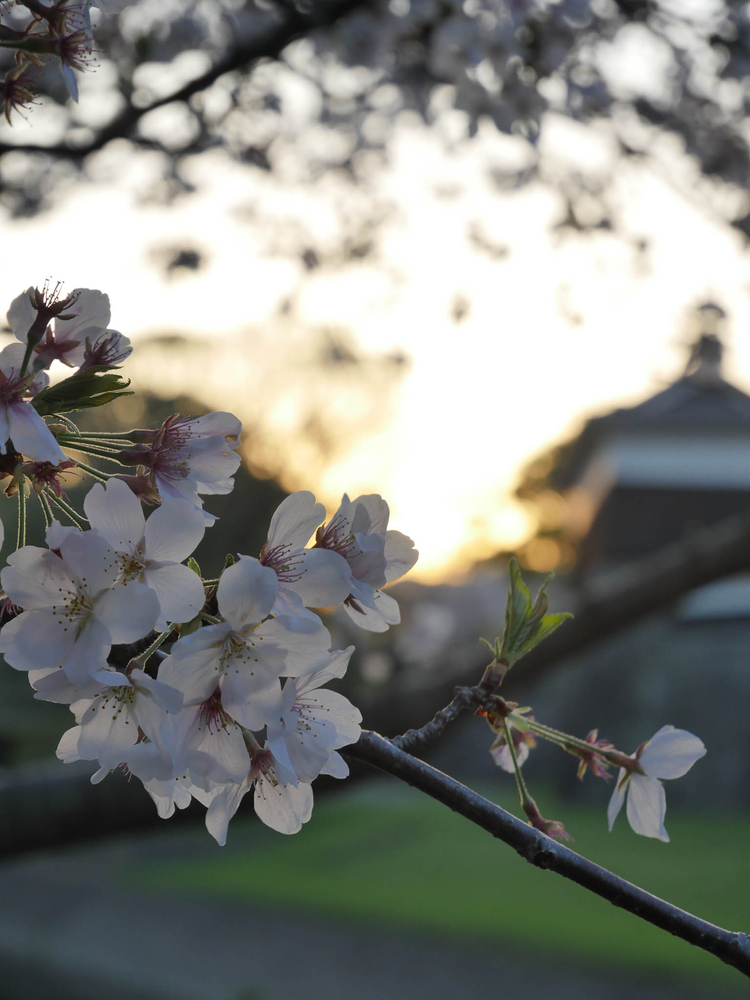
(391, 855)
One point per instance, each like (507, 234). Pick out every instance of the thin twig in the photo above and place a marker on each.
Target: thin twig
(543, 852)
(465, 697)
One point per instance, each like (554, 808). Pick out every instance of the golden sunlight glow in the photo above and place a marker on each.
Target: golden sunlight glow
(553, 328)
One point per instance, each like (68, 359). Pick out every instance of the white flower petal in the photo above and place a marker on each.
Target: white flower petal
(88, 314)
(222, 808)
(163, 695)
(400, 555)
(378, 618)
(367, 562)
(219, 422)
(116, 513)
(377, 510)
(31, 436)
(336, 766)
(108, 729)
(88, 654)
(617, 799)
(671, 753)
(647, 806)
(129, 611)
(294, 521)
(179, 590)
(67, 748)
(194, 666)
(173, 531)
(251, 698)
(22, 314)
(283, 807)
(246, 592)
(90, 562)
(36, 578)
(220, 754)
(35, 640)
(325, 578)
(333, 670)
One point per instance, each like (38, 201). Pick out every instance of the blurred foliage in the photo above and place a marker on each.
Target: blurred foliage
(402, 854)
(303, 89)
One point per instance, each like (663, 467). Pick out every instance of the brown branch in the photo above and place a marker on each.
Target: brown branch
(465, 697)
(538, 849)
(270, 44)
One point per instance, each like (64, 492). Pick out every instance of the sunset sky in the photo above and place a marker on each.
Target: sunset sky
(554, 328)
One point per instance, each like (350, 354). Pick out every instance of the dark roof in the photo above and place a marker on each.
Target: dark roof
(699, 401)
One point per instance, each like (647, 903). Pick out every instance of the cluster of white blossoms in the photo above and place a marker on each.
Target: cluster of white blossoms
(210, 689)
(201, 712)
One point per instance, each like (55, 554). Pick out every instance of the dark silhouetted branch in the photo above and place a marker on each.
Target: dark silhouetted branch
(292, 25)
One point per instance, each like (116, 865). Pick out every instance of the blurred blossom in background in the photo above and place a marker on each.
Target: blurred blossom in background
(407, 265)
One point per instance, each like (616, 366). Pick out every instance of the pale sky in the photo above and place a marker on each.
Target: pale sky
(563, 327)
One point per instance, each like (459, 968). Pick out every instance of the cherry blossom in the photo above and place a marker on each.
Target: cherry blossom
(376, 556)
(245, 654)
(19, 422)
(78, 323)
(314, 577)
(279, 800)
(311, 724)
(109, 723)
(75, 610)
(151, 551)
(207, 743)
(188, 457)
(670, 753)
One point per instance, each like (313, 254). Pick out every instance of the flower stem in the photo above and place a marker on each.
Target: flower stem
(30, 344)
(44, 504)
(67, 509)
(87, 446)
(117, 436)
(548, 733)
(106, 454)
(96, 473)
(573, 743)
(140, 661)
(21, 536)
(520, 782)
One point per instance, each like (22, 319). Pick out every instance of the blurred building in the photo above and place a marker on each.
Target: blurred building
(634, 481)
(642, 477)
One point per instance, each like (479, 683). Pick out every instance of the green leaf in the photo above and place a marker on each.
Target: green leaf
(517, 608)
(193, 565)
(546, 627)
(81, 391)
(526, 623)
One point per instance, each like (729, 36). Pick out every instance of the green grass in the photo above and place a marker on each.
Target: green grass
(396, 857)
